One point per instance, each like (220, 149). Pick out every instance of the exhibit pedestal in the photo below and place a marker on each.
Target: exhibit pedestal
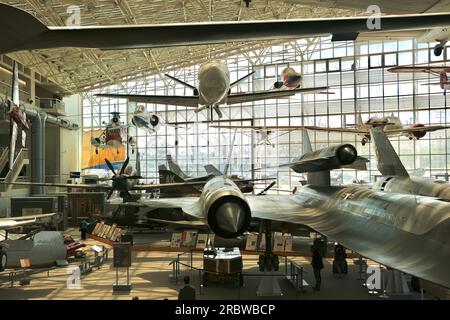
(396, 283)
(268, 286)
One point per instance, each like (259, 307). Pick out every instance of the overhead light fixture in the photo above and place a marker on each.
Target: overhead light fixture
(21, 82)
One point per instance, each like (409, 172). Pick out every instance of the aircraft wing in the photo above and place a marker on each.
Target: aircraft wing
(235, 98)
(12, 143)
(185, 101)
(308, 165)
(293, 128)
(416, 129)
(166, 185)
(13, 222)
(59, 185)
(426, 69)
(20, 30)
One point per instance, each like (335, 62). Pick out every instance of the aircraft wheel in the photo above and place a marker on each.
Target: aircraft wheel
(3, 260)
(438, 50)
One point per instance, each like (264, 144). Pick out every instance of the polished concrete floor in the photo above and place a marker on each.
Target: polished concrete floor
(150, 276)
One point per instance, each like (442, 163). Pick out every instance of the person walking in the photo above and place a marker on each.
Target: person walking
(317, 265)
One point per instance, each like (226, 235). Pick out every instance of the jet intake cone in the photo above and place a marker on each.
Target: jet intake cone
(346, 154)
(229, 217)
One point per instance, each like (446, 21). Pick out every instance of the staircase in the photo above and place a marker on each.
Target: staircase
(21, 160)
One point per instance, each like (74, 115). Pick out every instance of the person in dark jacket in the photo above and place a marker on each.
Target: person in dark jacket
(187, 292)
(317, 265)
(340, 257)
(84, 225)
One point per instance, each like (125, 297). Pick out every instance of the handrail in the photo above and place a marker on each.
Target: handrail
(18, 164)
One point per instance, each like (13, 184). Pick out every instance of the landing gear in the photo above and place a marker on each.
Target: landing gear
(3, 260)
(96, 151)
(268, 261)
(364, 141)
(439, 48)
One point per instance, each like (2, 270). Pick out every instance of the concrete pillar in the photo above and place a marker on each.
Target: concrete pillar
(38, 152)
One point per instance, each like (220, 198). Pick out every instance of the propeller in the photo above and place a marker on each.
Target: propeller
(119, 181)
(262, 193)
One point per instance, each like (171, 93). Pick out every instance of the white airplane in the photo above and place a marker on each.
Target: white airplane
(18, 118)
(214, 90)
(440, 72)
(148, 121)
(392, 126)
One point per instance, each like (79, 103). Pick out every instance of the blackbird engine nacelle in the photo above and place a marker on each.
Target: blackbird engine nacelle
(329, 158)
(227, 212)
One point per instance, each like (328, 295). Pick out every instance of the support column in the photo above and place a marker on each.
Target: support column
(38, 152)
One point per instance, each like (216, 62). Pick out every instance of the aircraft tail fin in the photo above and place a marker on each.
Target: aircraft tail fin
(318, 178)
(212, 170)
(359, 120)
(389, 163)
(175, 168)
(167, 176)
(306, 143)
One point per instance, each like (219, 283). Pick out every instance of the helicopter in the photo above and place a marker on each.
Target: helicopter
(113, 135)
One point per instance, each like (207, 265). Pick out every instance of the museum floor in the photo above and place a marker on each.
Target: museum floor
(150, 279)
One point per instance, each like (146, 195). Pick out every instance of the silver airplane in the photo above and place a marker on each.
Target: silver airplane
(396, 178)
(20, 30)
(16, 222)
(402, 231)
(214, 90)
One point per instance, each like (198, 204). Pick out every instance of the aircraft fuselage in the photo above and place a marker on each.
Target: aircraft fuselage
(214, 83)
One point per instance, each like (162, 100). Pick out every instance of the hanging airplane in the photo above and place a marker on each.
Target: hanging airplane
(439, 34)
(20, 30)
(18, 118)
(396, 179)
(113, 135)
(404, 232)
(391, 125)
(214, 90)
(436, 71)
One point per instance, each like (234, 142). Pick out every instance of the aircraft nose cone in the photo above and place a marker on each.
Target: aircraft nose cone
(347, 154)
(230, 217)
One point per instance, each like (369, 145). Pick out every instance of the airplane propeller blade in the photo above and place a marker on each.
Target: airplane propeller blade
(110, 166)
(133, 177)
(110, 193)
(267, 189)
(125, 164)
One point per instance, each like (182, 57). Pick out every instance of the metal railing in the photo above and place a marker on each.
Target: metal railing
(293, 272)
